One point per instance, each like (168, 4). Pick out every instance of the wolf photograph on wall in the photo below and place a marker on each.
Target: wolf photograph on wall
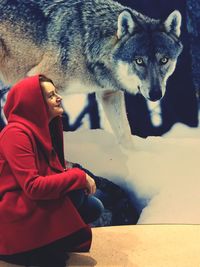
(90, 46)
(127, 55)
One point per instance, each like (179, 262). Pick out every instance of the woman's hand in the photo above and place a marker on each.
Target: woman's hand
(90, 185)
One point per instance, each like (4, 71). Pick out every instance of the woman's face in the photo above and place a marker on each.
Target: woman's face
(53, 100)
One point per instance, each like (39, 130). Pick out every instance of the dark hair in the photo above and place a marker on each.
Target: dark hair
(43, 78)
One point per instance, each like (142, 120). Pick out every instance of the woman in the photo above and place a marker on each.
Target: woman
(43, 204)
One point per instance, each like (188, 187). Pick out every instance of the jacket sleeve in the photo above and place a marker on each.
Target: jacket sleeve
(18, 151)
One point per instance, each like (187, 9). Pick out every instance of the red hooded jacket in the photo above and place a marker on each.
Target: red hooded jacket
(35, 209)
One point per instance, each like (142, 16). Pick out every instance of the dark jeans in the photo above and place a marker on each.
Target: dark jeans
(55, 254)
(89, 207)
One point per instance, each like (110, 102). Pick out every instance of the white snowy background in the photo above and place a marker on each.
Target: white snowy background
(161, 175)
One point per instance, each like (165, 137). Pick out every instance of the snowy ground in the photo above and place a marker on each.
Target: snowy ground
(162, 174)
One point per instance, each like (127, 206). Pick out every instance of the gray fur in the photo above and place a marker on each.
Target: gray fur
(89, 45)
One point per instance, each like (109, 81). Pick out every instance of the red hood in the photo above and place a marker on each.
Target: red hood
(25, 104)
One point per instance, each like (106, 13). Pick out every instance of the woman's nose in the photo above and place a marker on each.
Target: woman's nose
(59, 97)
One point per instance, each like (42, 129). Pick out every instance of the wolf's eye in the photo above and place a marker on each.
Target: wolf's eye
(163, 60)
(139, 61)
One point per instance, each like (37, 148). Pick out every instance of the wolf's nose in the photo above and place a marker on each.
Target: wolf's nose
(155, 95)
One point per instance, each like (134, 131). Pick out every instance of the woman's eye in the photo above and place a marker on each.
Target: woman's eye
(139, 61)
(163, 60)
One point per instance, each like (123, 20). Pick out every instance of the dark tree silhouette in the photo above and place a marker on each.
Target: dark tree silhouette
(90, 109)
(193, 26)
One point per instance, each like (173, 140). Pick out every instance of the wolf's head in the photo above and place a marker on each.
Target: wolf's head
(146, 53)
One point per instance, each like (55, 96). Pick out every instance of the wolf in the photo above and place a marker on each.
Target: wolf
(89, 46)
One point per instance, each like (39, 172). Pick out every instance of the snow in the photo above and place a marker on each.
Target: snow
(74, 110)
(161, 175)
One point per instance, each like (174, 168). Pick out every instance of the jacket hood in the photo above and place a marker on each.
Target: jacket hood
(25, 104)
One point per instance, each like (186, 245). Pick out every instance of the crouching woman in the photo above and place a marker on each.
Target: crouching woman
(45, 208)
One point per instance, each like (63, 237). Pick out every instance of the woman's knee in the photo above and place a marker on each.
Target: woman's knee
(96, 204)
(91, 209)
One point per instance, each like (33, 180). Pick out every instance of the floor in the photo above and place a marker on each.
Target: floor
(140, 246)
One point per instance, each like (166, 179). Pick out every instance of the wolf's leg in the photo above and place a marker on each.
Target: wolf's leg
(114, 106)
(3, 49)
(46, 63)
(49, 67)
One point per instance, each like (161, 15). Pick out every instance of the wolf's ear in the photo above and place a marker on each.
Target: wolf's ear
(173, 23)
(125, 24)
